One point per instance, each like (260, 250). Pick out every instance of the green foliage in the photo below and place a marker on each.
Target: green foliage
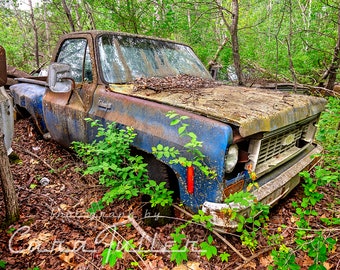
(255, 220)
(224, 257)
(318, 249)
(114, 252)
(10, 230)
(124, 174)
(204, 219)
(284, 259)
(208, 249)
(191, 148)
(329, 135)
(309, 43)
(179, 252)
(163, 196)
(2, 264)
(320, 246)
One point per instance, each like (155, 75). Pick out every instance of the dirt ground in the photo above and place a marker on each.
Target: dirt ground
(55, 230)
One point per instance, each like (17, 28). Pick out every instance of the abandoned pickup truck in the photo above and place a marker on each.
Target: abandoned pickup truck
(6, 106)
(244, 132)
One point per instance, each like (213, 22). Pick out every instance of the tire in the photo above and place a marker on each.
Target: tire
(159, 172)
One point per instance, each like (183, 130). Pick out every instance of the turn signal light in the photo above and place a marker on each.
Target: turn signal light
(190, 179)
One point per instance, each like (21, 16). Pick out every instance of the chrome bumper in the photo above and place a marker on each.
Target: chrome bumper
(269, 193)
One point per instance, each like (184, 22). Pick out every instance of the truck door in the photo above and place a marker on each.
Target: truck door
(65, 113)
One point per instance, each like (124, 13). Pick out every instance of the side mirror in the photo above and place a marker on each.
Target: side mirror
(3, 67)
(59, 80)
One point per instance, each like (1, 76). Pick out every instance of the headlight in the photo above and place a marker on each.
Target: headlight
(231, 158)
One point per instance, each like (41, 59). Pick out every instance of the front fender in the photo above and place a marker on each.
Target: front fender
(29, 96)
(149, 120)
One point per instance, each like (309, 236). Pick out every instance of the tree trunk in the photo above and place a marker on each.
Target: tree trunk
(335, 61)
(289, 42)
(35, 29)
(68, 14)
(10, 197)
(88, 10)
(218, 52)
(234, 41)
(47, 31)
(233, 30)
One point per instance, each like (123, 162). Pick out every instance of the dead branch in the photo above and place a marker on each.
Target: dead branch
(15, 73)
(242, 266)
(324, 91)
(37, 157)
(216, 234)
(153, 241)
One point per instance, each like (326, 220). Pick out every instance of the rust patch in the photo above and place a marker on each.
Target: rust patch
(233, 188)
(3, 71)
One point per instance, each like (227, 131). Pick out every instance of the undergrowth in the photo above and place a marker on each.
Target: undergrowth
(125, 175)
(316, 243)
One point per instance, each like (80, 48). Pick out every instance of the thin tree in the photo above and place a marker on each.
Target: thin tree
(289, 43)
(335, 64)
(35, 30)
(7, 184)
(232, 26)
(68, 15)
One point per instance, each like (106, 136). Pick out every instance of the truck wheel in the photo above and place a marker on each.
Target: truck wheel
(159, 215)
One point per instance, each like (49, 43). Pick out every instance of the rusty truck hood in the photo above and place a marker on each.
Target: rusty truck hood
(252, 110)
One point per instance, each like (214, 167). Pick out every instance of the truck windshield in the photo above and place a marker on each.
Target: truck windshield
(126, 58)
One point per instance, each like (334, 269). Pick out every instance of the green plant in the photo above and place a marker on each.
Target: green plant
(328, 174)
(11, 230)
(113, 253)
(191, 148)
(208, 249)
(284, 259)
(3, 264)
(328, 135)
(33, 186)
(256, 218)
(318, 249)
(123, 173)
(179, 252)
(224, 257)
(203, 219)
(134, 264)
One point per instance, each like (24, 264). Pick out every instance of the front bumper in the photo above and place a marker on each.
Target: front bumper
(274, 189)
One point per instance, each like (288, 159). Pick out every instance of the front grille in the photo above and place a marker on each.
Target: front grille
(275, 146)
(279, 146)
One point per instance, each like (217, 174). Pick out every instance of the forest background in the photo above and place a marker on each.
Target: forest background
(277, 40)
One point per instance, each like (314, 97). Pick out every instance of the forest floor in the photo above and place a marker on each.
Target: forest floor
(55, 230)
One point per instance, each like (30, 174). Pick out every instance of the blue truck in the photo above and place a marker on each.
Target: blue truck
(135, 80)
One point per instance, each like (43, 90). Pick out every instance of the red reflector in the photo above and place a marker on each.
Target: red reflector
(190, 179)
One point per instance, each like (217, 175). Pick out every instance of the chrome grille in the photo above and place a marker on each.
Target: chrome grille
(274, 146)
(279, 146)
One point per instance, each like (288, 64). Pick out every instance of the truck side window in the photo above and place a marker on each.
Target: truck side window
(75, 52)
